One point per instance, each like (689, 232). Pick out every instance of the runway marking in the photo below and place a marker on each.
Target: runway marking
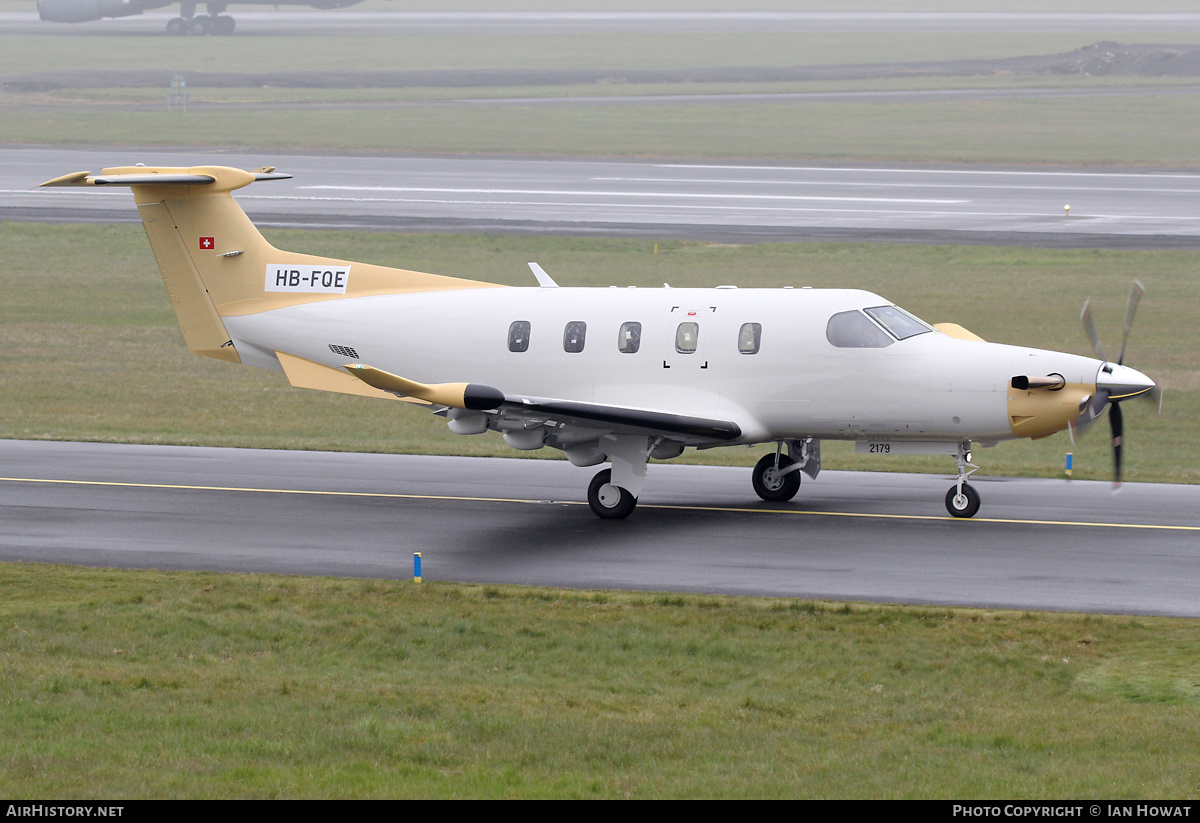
(978, 172)
(888, 185)
(681, 195)
(740, 510)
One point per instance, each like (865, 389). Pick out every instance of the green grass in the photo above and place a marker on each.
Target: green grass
(150, 684)
(1149, 128)
(618, 52)
(89, 348)
(1145, 129)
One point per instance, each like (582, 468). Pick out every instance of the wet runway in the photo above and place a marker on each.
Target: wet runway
(1036, 544)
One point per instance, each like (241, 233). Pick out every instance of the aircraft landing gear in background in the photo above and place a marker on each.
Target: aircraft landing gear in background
(962, 500)
(609, 501)
(199, 25)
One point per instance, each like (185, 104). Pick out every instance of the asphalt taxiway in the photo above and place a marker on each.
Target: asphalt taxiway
(1036, 544)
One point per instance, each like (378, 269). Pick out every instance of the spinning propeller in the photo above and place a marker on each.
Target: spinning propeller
(1114, 382)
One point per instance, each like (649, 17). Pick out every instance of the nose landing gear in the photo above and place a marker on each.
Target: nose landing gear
(962, 500)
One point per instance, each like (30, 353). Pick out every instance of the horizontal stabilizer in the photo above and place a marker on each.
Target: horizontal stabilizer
(228, 178)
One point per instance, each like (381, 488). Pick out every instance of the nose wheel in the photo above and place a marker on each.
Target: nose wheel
(962, 502)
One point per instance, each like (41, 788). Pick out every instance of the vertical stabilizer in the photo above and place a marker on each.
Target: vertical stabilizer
(215, 263)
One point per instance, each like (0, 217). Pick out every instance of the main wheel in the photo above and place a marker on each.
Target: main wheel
(609, 501)
(224, 24)
(200, 26)
(770, 484)
(177, 26)
(962, 505)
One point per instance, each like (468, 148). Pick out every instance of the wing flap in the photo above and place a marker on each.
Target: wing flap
(481, 397)
(647, 421)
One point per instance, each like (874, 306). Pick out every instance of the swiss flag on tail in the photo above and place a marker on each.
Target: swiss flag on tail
(208, 243)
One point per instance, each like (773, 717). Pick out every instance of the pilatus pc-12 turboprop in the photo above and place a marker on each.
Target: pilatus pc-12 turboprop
(617, 375)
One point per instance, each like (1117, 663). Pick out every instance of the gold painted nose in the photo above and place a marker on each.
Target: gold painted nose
(1036, 412)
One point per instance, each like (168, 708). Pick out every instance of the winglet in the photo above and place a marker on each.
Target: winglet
(474, 396)
(544, 280)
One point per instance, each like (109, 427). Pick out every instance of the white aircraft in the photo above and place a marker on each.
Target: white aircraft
(612, 374)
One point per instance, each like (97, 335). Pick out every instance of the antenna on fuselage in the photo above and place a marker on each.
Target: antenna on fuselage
(544, 280)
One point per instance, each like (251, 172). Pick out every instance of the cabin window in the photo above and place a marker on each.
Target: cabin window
(518, 336)
(686, 337)
(573, 336)
(853, 330)
(749, 337)
(629, 340)
(899, 322)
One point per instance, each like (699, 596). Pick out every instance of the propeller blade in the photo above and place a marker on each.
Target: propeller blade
(1134, 297)
(1089, 328)
(1116, 419)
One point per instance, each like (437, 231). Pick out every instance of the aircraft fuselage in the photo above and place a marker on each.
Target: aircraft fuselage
(795, 383)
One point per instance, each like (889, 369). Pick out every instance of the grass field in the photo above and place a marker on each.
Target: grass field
(147, 684)
(1150, 127)
(89, 348)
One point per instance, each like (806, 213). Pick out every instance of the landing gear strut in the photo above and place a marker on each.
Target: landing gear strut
(962, 500)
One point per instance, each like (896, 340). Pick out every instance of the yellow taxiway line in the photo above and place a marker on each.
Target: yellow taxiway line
(398, 496)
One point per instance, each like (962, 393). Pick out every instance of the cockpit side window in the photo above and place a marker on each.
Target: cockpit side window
(853, 330)
(900, 323)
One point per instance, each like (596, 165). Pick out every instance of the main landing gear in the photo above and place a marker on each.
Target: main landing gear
(613, 493)
(201, 25)
(609, 501)
(188, 22)
(962, 500)
(776, 477)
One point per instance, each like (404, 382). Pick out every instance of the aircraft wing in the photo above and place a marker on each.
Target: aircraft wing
(478, 397)
(623, 419)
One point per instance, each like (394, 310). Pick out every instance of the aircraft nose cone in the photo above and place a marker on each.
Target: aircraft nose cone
(1121, 381)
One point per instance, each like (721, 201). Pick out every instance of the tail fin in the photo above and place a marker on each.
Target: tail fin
(216, 264)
